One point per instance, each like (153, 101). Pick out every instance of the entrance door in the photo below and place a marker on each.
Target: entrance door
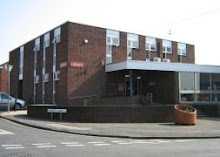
(136, 86)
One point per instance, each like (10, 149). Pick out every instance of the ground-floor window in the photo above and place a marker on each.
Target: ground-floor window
(199, 87)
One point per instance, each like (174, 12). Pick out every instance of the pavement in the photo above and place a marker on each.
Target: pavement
(206, 127)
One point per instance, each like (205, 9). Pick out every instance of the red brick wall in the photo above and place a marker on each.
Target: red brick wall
(3, 80)
(28, 70)
(14, 60)
(119, 54)
(91, 78)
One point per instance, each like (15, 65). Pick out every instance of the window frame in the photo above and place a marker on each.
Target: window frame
(47, 40)
(151, 41)
(108, 55)
(166, 45)
(133, 39)
(56, 75)
(112, 35)
(180, 49)
(37, 44)
(57, 34)
(46, 77)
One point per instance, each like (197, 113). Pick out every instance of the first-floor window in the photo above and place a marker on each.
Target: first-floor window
(46, 77)
(167, 46)
(109, 54)
(56, 75)
(37, 78)
(129, 53)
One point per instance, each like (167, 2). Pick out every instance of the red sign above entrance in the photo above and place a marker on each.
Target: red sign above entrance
(76, 64)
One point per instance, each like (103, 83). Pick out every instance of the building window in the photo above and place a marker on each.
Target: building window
(202, 81)
(181, 49)
(46, 77)
(56, 76)
(129, 53)
(199, 87)
(113, 38)
(57, 33)
(109, 54)
(215, 82)
(187, 81)
(151, 44)
(21, 62)
(37, 44)
(46, 40)
(133, 41)
(167, 46)
(37, 78)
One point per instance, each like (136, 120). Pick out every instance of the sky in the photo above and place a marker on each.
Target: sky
(189, 21)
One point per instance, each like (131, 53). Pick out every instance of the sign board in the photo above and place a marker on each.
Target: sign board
(75, 64)
(63, 65)
(57, 110)
(8, 67)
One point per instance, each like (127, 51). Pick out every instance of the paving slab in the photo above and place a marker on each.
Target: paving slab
(206, 127)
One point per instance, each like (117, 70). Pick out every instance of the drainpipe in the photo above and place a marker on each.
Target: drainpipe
(130, 82)
(35, 73)
(54, 70)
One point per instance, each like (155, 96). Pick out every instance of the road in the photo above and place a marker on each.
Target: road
(22, 141)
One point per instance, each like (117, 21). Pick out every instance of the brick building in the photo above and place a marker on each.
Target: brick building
(3, 78)
(75, 62)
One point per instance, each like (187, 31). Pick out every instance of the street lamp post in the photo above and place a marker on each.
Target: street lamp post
(8, 69)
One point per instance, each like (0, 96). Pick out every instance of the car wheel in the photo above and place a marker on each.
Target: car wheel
(17, 107)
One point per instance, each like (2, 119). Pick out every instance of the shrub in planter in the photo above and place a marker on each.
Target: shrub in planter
(185, 114)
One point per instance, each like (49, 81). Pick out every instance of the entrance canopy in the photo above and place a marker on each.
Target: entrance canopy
(161, 66)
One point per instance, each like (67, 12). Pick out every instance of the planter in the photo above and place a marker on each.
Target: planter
(185, 114)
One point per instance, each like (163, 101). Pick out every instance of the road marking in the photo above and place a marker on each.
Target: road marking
(69, 143)
(72, 144)
(40, 144)
(97, 142)
(46, 146)
(12, 146)
(102, 144)
(144, 142)
(3, 132)
(75, 145)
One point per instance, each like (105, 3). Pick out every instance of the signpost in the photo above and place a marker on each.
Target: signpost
(60, 111)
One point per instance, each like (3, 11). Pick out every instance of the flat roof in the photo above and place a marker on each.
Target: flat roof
(161, 66)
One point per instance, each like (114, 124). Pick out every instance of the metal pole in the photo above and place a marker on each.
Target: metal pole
(8, 88)
(131, 83)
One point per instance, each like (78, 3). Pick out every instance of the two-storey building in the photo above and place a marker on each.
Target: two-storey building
(74, 62)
